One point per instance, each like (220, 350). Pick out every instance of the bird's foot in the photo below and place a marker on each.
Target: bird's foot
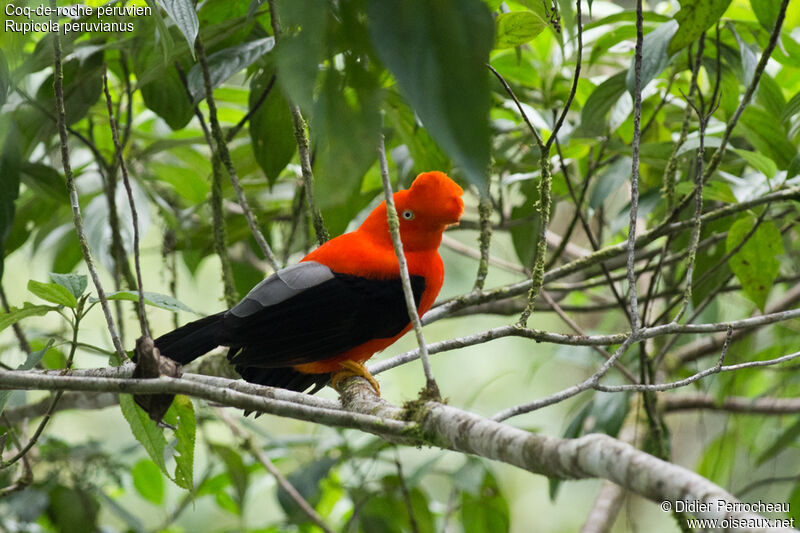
(351, 368)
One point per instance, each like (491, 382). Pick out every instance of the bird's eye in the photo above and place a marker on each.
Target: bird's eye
(408, 214)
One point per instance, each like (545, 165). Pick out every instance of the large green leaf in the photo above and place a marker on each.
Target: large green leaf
(75, 283)
(759, 161)
(225, 63)
(83, 84)
(185, 17)
(438, 52)
(271, 126)
(148, 481)
(162, 89)
(45, 180)
(765, 132)
(301, 49)
(181, 416)
(695, 17)
(766, 12)
(17, 314)
(517, 27)
(755, 264)
(599, 103)
(654, 54)
(346, 124)
(52, 292)
(146, 431)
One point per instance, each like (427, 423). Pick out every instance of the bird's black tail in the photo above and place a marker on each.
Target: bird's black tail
(192, 340)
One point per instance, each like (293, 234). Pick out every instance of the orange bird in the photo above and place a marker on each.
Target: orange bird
(321, 319)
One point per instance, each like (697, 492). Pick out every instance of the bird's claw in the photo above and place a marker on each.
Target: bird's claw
(350, 369)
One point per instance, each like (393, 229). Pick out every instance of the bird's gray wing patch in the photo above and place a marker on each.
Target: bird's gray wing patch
(281, 286)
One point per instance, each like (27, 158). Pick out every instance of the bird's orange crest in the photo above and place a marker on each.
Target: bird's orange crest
(434, 199)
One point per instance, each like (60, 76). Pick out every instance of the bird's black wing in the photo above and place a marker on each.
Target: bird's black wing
(308, 313)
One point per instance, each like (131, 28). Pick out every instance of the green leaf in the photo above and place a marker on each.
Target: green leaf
(16, 314)
(788, 437)
(759, 161)
(486, 512)
(422, 148)
(146, 431)
(346, 139)
(225, 63)
(755, 264)
(306, 480)
(74, 283)
(599, 103)
(609, 181)
(155, 299)
(148, 481)
(718, 460)
(72, 510)
(516, 28)
(185, 17)
(166, 97)
(301, 49)
(181, 416)
(9, 186)
(792, 108)
(83, 84)
(52, 292)
(654, 54)
(764, 131)
(794, 503)
(186, 182)
(438, 52)
(766, 12)
(695, 17)
(237, 471)
(45, 180)
(271, 126)
(749, 59)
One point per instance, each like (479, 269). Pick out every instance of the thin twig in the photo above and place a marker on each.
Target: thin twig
(302, 143)
(394, 229)
(575, 78)
(577, 329)
(132, 204)
(406, 496)
(589, 383)
(232, 132)
(217, 217)
(485, 239)
(634, 211)
(225, 156)
(77, 219)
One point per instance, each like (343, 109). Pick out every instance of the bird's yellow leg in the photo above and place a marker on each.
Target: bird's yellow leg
(349, 369)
